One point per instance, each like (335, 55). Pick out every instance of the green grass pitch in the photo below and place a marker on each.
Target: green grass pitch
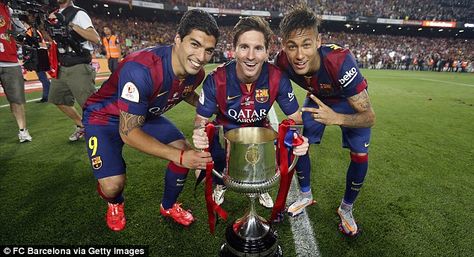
(417, 199)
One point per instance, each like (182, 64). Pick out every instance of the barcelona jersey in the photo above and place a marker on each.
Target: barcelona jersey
(236, 106)
(144, 84)
(337, 78)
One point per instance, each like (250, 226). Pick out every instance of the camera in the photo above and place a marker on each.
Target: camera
(38, 8)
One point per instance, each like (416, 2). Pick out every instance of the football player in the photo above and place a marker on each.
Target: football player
(337, 95)
(128, 109)
(242, 92)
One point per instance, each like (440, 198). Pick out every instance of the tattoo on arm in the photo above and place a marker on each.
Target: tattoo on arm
(129, 121)
(364, 116)
(360, 102)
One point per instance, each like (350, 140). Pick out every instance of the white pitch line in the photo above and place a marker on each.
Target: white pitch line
(447, 82)
(425, 79)
(28, 101)
(303, 234)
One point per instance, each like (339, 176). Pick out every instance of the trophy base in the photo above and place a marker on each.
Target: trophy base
(236, 246)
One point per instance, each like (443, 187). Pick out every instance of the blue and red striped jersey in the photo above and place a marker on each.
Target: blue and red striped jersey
(337, 78)
(143, 84)
(235, 106)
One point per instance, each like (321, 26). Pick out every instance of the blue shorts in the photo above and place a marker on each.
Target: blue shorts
(104, 144)
(356, 139)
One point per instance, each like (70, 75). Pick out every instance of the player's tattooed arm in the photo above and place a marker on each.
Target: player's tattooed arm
(128, 122)
(364, 116)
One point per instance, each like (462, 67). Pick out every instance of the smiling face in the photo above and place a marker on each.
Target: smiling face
(301, 48)
(192, 52)
(250, 54)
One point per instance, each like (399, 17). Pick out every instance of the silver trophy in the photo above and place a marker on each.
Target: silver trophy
(251, 170)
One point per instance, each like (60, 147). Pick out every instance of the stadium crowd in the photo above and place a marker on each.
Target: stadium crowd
(460, 10)
(372, 51)
(261, 5)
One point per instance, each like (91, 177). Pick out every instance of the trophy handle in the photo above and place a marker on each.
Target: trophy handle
(293, 164)
(217, 174)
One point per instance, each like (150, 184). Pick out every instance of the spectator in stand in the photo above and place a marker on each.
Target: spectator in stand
(374, 51)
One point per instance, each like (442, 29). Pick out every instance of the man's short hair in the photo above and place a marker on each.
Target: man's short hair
(299, 17)
(253, 23)
(199, 20)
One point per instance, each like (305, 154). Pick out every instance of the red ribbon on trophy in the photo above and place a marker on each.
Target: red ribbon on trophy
(285, 174)
(212, 207)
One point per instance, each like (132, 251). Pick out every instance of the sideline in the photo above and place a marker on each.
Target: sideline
(303, 234)
(444, 82)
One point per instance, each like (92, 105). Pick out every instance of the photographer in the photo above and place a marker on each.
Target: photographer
(11, 76)
(35, 54)
(72, 30)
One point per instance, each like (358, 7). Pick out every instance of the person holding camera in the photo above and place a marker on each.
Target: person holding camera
(11, 76)
(72, 30)
(35, 55)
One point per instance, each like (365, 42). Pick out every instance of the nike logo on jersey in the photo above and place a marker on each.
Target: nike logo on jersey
(366, 145)
(201, 97)
(232, 97)
(160, 94)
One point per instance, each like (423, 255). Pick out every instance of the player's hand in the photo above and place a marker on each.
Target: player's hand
(200, 139)
(196, 160)
(301, 149)
(323, 114)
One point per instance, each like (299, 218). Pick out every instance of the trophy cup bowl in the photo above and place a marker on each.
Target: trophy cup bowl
(251, 170)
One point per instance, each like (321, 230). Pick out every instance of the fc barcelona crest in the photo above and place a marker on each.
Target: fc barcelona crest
(96, 163)
(261, 95)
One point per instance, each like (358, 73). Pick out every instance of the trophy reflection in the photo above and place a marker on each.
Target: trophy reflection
(251, 170)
